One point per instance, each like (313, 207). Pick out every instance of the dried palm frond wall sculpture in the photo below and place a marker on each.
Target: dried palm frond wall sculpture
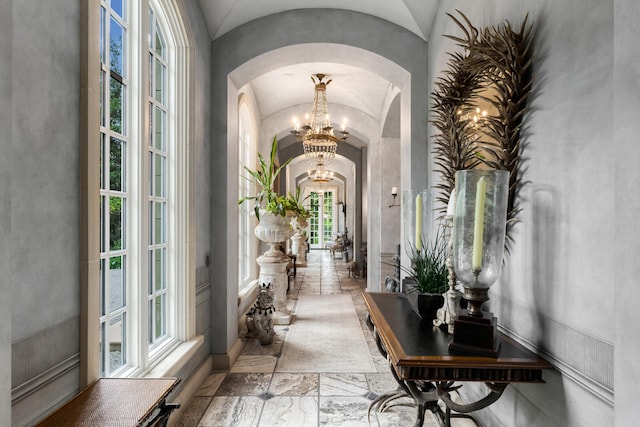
(497, 58)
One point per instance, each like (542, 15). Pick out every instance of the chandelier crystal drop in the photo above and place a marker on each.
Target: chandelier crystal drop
(318, 140)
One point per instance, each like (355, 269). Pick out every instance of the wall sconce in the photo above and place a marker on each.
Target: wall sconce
(394, 193)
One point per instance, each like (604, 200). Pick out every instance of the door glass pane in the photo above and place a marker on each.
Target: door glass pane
(327, 216)
(314, 209)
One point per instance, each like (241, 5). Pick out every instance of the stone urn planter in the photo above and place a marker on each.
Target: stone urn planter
(273, 229)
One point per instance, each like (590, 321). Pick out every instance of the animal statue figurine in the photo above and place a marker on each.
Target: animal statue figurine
(391, 284)
(260, 316)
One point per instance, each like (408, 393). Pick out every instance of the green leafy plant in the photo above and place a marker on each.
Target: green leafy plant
(267, 197)
(428, 265)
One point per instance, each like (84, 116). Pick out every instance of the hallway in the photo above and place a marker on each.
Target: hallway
(256, 392)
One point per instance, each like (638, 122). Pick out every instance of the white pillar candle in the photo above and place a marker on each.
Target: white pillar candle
(418, 237)
(478, 225)
(451, 206)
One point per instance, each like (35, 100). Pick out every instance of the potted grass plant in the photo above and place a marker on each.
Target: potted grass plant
(427, 278)
(274, 212)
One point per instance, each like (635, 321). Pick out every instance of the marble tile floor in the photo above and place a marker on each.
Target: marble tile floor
(254, 394)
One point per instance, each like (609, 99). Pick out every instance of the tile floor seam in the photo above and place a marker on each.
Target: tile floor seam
(333, 410)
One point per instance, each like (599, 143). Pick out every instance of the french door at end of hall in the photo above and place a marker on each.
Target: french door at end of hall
(321, 223)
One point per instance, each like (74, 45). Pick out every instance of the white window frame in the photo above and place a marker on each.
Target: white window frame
(141, 358)
(247, 148)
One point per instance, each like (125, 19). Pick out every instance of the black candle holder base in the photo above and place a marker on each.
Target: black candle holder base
(476, 335)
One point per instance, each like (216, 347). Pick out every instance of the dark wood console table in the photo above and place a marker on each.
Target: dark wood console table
(118, 402)
(420, 360)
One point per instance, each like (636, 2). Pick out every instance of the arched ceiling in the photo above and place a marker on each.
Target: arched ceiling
(356, 89)
(352, 87)
(222, 16)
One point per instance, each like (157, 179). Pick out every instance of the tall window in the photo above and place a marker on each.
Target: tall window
(142, 242)
(246, 224)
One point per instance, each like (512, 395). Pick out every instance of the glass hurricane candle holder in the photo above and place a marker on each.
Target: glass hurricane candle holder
(479, 226)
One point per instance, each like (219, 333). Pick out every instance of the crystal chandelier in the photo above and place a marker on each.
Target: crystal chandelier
(320, 176)
(319, 142)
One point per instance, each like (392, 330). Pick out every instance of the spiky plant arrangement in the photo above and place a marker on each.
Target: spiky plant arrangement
(428, 265)
(498, 57)
(453, 145)
(267, 197)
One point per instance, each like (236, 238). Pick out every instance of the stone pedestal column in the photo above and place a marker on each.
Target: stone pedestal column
(273, 269)
(275, 229)
(299, 248)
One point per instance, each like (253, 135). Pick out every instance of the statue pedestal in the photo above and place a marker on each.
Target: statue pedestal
(299, 248)
(273, 269)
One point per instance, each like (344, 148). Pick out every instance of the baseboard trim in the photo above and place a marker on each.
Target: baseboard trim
(40, 381)
(594, 387)
(189, 389)
(223, 362)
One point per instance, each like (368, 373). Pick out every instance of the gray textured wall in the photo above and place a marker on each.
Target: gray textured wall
(626, 128)
(558, 290)
(40, 211)
(6, 37)
(44, 193)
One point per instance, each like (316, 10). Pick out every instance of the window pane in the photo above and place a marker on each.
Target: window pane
(102, 105)
(116, 336)
(103, 338)
(116, 47)
(116, 222)
(116, 165)
(160, 44)
(103, 222)
(159, 127)
(102, 168)
(116, 283)
(160, 316)
(159, 269)
(159, 223)
(102, 35)
(116, 104)
(159, 82)
(102, 289)
(117, 7)
(159, 171)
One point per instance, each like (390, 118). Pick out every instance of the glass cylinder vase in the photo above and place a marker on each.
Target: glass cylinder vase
(479, 226)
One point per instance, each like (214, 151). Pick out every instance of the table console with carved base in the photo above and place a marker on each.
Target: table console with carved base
(427, 371)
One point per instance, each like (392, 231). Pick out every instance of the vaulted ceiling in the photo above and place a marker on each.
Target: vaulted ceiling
(352, 87)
